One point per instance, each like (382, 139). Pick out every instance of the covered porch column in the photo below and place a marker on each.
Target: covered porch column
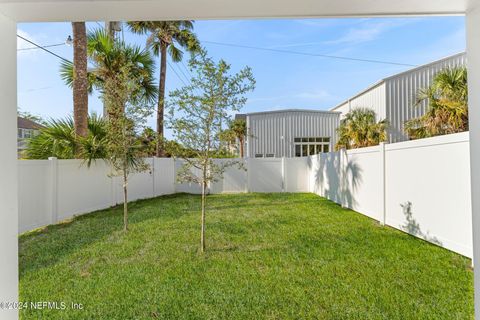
(8, 167)
(473, 56)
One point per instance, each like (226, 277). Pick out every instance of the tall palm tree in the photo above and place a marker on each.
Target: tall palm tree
(360, 129)
(80, 79)
(166, 37)
(447, 105)
(107, 56)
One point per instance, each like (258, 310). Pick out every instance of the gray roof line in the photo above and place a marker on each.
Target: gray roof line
(291, 110)
(376, 84)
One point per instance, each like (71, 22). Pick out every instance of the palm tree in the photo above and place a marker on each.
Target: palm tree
(447, 105)
(80, 80)
(107, 57)
(236, 133)
(360, 129)
(166, 37)
(58, 139)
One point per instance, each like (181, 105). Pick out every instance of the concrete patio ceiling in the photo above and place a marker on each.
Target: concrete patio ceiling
(13, 11)
(69, 10)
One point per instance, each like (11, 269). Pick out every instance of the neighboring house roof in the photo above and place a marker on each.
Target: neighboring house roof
(23, 123)
(376, 84)
(240, 116)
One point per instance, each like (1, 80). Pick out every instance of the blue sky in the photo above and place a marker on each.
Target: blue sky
(283, 80)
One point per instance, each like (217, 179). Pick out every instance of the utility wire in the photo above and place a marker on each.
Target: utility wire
(44, 49)
(178, 76)
(308, 54)
(47, 46)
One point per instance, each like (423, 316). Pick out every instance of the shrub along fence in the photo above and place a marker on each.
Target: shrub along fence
(421, 187)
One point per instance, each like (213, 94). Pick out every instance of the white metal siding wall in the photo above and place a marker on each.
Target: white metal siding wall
(401, 90)
(372, 99)
(266, 130)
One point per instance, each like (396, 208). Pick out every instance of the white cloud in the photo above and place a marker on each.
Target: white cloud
(369, 30)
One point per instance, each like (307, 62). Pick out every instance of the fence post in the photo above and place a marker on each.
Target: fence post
(343, 177)
(383, 204)
(284, 181)
(249, 166)
(152, 172)
(54, 188)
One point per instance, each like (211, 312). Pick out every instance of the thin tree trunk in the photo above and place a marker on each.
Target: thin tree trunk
(161, 99)
(80, 79)
(125, 202)
(241, 148)
(202, 235)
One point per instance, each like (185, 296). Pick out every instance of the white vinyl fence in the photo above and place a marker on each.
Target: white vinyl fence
(54, 190)
(421, 187)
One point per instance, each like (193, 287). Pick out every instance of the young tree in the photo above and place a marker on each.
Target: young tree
(197, 112)
(360, 129)
(126, 113)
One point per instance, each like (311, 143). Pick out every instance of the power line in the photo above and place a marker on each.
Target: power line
(171, 67)
(46, 50)
(47, 46)
(309, 54)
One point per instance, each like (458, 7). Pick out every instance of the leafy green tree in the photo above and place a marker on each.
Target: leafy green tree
(127, 111)
(58, 139)
(197, 113)
(166, 37)
(360, 129)
(447, 110)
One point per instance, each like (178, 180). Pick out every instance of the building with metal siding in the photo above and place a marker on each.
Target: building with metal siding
(290, 133)
(393, 98)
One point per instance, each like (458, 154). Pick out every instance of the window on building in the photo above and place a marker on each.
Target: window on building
(25, 133)
(307, 146)
(270, 155)
(258, 155)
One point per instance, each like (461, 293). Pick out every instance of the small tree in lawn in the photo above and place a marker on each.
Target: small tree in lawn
(126, 113)
(197, 113)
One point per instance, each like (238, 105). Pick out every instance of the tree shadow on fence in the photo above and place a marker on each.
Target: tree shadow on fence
(413, 227)
(335, 181)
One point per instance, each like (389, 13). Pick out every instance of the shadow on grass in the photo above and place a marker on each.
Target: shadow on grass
(47, 246)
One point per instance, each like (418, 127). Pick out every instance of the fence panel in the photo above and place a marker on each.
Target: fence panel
(265, 175)
(296, 174)
(35, 194)
(428, 190)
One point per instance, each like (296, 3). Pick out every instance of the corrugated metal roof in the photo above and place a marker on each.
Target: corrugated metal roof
(290, 110)
(376, 84)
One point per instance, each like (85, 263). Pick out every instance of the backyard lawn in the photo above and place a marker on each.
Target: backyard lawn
(269, 256)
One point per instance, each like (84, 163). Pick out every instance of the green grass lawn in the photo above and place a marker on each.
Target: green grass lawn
(269, 256)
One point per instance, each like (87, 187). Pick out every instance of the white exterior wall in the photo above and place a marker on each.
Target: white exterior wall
(473, 53)
(274, 132)
(421, 187)
(401, 90)
(8, 167)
